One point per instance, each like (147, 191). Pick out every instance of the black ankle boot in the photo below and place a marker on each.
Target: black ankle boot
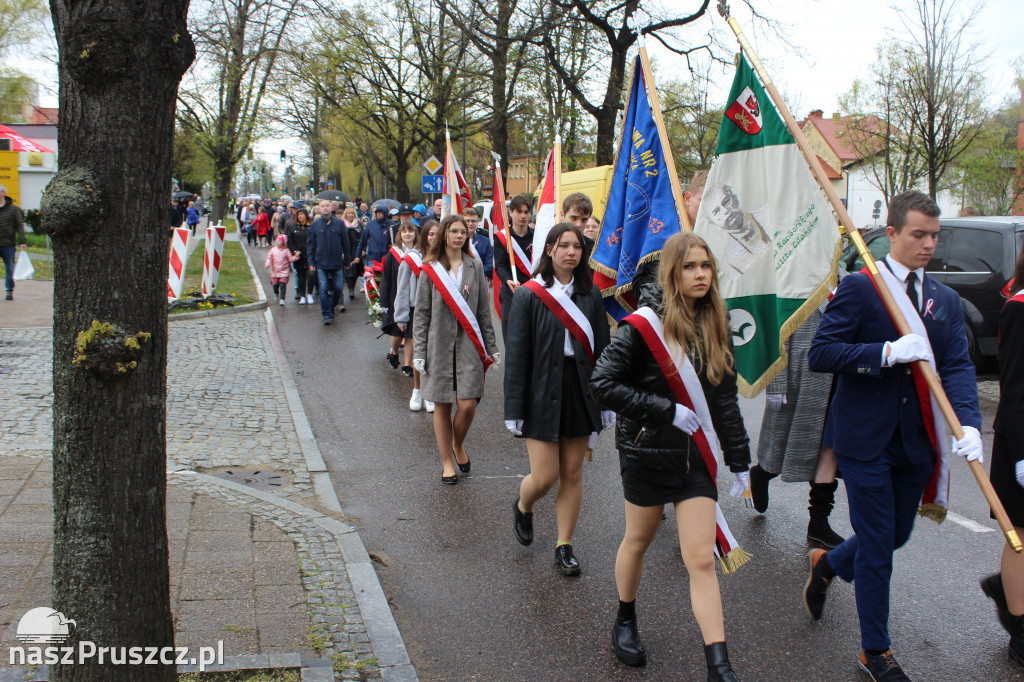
(1016, 639)
(719, 669)
(759, 479)
(992, 586)
(819, 533)
(626, 642)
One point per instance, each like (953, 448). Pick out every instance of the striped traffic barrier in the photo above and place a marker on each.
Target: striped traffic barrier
(212, 257)
(179, 255)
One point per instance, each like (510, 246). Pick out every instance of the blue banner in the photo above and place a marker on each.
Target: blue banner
(641, 212)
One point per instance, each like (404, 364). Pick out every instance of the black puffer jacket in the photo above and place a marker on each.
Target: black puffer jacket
(534, 357)
(627, 379)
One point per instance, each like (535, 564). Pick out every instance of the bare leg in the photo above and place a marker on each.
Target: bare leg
(641, 525)
(443, 435)
(826, 468)
(1012, 566)
(407, 357)
(696, 520)
(570, 485)
(395, 343)
(463, 420)
(543, 473)
(415, 379)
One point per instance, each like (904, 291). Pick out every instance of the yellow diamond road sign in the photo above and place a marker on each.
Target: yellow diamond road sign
(433, 165)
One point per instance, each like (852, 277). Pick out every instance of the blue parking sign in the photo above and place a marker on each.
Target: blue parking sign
(433, 184)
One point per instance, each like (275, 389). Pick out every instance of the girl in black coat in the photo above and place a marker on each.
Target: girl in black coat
(304, 284)
(659, 459)
(1007, 587)
(546, 396)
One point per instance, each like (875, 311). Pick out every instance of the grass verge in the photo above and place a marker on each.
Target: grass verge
(242, 676)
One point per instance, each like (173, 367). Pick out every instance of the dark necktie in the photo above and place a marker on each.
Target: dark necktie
(912, 291)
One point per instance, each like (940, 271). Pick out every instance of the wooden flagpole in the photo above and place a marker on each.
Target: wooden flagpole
(934, 385)
(504, 215)
(666, 148)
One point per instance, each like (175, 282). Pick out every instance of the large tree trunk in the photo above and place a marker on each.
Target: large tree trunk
(606, 116)
(221, 189)
(120, 64)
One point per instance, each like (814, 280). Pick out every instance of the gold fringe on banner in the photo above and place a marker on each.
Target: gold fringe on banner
(733, 560)
(935, 512)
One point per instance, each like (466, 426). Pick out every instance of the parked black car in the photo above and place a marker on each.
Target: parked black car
(974, 257)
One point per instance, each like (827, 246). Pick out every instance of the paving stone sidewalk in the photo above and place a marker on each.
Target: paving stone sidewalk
(267, 573)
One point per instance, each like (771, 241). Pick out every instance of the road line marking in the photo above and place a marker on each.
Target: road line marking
(968, 524)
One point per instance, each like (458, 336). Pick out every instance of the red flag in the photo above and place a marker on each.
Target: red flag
(456, 191)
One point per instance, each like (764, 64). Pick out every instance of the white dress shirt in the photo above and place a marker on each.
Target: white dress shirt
(902, 271)
(567, 349)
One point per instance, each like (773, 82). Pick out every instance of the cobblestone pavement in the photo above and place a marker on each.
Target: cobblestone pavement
(261, 571)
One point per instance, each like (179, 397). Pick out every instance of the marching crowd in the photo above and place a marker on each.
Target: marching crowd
(849, 405)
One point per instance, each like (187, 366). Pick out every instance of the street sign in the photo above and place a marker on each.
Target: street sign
(433, 165)
(432, 184)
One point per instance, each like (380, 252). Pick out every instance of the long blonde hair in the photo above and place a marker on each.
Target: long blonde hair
(706, 326)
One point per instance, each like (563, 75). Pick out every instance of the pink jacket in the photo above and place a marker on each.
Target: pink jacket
(279, 260)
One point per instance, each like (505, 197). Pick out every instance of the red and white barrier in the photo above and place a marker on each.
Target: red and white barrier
(212, 257)
(179, 256)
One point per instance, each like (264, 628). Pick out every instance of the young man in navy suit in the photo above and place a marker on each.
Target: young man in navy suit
(875, 423)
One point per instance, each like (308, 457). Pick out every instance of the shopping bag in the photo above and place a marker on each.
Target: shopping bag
(23, 269)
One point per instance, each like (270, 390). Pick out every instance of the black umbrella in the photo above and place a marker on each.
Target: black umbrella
(332, 195)
(182, 195)
(389, 203)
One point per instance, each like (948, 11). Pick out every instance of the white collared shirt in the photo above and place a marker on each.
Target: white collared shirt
(457, 276)
(902, 271)
(569, 289)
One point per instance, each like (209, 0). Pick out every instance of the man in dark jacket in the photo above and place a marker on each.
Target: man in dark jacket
(12, 232)
(375, 240)
(327, 248)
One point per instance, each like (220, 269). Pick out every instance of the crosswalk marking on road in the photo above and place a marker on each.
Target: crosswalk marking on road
(968, 524)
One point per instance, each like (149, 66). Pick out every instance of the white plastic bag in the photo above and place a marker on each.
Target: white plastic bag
(23, 269)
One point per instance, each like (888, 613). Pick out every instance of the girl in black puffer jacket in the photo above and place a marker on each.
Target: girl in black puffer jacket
(660, 460)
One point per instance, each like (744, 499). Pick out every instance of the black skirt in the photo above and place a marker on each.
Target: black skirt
(574, 419)
(648, 484)
(1004, 480)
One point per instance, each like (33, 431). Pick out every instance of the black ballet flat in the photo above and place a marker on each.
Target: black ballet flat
(450, 480)
(464, 468)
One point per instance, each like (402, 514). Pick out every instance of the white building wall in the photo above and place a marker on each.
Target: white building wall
(862, 194)
(33, 179)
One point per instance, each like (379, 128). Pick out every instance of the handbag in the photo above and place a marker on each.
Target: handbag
(23, 269)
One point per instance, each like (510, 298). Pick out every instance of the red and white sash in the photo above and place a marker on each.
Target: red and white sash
(449, 291)
(414, 261)
(397, 254)
(935, 501)
(517, 254)
(685, 384)
(567, 312)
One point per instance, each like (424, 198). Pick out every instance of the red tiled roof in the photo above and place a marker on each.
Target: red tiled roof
(833, 131)
(43, 115)
(830, 172)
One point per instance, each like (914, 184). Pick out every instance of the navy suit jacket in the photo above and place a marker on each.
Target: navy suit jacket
(872, 401)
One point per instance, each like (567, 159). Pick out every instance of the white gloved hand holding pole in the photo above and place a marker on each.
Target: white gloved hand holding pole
(969, 447)
(741, 484)
(909, 348)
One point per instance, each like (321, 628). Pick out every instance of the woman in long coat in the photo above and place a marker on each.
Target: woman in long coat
(443, 353)
(547, 377)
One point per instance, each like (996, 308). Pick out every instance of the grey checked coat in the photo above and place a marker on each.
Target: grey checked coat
(436, 332)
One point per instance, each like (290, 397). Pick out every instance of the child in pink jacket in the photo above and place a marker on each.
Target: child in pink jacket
(279, 261)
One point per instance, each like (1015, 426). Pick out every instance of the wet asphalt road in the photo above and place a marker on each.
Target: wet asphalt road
(473, 604)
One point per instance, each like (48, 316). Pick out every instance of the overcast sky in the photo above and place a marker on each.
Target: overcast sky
(835, 43)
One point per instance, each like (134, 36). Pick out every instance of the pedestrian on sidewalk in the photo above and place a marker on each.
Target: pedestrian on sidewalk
(327, 251)
(405, 301)
(670, 376)
(557, 330)
(279, 262)
(453, 340)
(1007, 587)
(407, 234)
(355, 230)
(297, 243)
(12, 233)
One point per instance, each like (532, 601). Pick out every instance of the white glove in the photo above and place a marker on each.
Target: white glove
(420, 365)
(907, 349)
(496, 359)
(592, 440)
(607, 419)
(775, 400)
(686, 420)
(515, 426)
(741, 483)
(969, 447)
(1019, 470)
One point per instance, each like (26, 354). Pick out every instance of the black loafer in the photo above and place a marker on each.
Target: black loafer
(566, 561)
(523, 524)
(464, 468)
(626, 643)
(450, 480)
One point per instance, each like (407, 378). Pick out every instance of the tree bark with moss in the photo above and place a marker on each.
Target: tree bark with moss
(106, 210)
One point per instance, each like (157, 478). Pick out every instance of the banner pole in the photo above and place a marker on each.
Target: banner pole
(504, 215)
(934, 385)
(557, 163)
(666, 148)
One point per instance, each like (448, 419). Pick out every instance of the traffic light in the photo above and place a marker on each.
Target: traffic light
(283, 155)
(273, 188)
